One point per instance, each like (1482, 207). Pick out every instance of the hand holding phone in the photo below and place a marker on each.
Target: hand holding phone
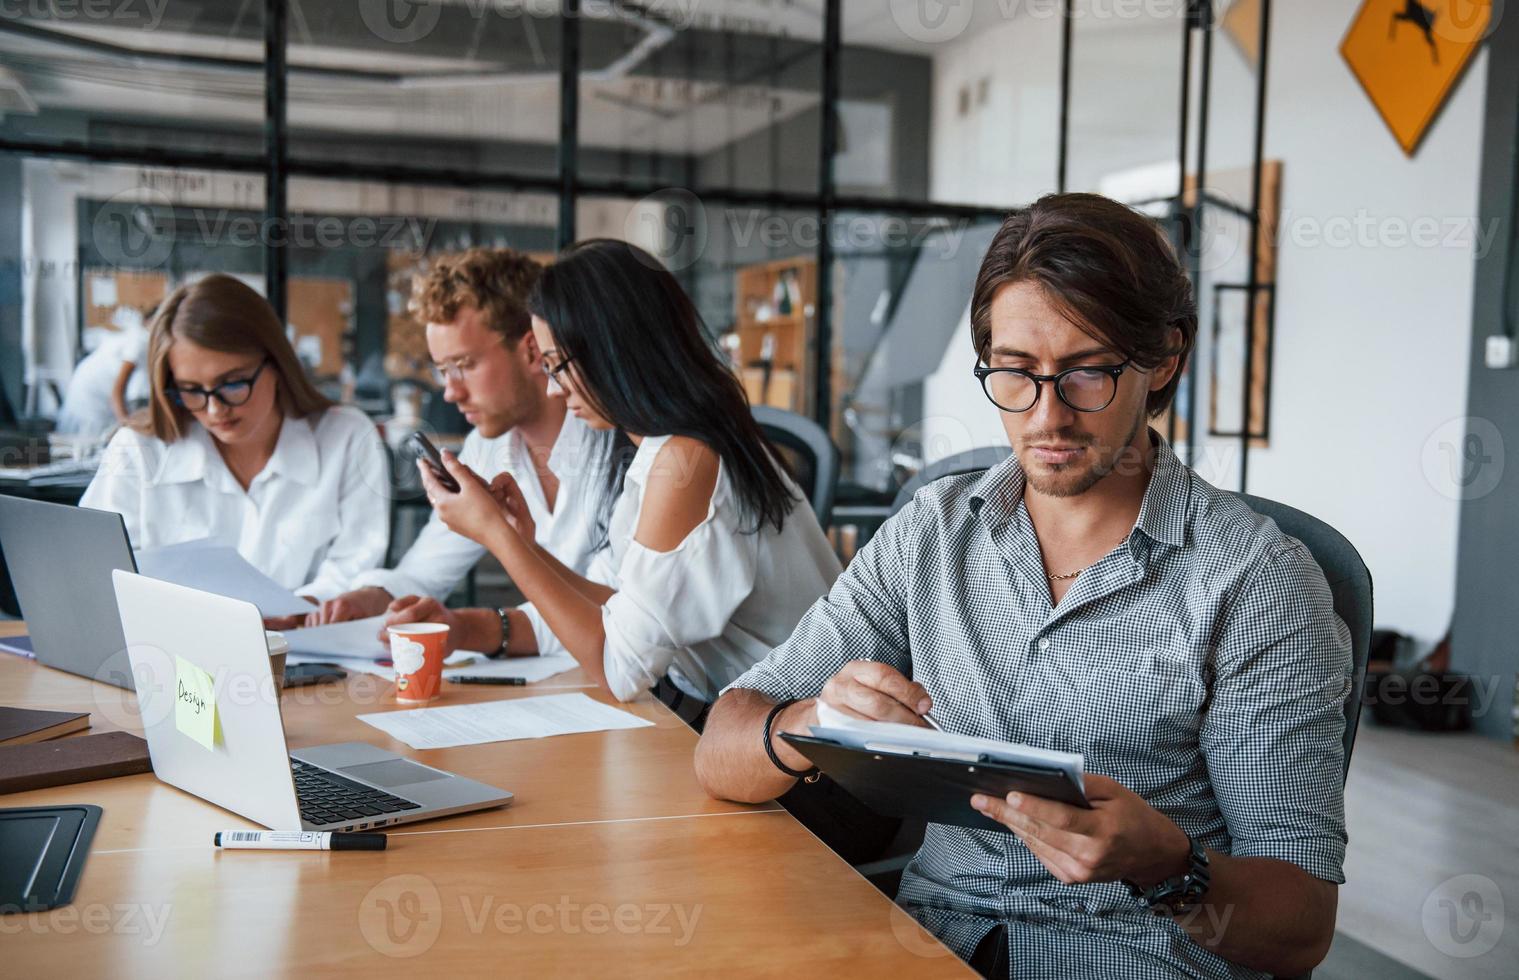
(425, 450)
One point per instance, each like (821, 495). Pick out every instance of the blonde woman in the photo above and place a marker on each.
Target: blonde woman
(237, 445)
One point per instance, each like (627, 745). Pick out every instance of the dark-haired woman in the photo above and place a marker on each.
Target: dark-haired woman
(237, 445)
(712, 553)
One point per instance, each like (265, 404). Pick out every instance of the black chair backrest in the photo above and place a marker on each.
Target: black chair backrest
(1349, 583)
(970, 461)
(811, 453)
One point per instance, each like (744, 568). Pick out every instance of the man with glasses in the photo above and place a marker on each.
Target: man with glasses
(1092, 595)
(479, 333)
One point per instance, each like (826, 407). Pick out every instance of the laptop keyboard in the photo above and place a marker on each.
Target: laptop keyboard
(325, 797)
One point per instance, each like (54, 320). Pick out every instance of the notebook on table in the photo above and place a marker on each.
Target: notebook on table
(21, 725)
(65, 761)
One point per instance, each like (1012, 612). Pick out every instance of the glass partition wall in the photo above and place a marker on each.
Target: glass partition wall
(822, 175)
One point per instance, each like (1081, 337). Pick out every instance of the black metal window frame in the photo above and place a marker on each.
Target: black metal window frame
(276, 165)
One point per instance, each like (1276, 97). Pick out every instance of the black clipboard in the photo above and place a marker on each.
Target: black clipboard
(42, 852)
(931, 788)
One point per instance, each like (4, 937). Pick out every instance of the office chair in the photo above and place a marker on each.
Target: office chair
(1349, 584)
(970, 461)
(811, 452)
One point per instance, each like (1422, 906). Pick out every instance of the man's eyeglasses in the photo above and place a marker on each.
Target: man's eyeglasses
(1088, 388)
(230, 393)
(456, 369)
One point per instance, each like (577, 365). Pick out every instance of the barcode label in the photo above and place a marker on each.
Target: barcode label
(244, 836)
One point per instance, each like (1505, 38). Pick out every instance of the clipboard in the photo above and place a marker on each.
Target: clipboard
(932, 788)
(42, 853)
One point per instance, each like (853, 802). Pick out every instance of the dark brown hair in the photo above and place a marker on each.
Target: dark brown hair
(220, 313)
(1109, 269)
(495, 281)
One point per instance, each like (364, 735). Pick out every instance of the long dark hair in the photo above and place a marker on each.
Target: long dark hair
(646, 363)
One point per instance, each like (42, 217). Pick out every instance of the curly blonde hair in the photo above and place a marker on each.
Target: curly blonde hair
(496, 281)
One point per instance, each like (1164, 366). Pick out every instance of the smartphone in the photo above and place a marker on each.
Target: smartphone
(423, 447)
(300, 675)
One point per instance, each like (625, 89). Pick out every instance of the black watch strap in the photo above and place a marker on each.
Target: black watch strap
(1181, 893)
(770, 749)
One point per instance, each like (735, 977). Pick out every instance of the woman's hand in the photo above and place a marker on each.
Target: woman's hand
(514, 505)
(473, 511)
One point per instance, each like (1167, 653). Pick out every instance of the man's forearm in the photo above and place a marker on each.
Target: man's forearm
(480, 630)
(1265, 914)
(731, 763)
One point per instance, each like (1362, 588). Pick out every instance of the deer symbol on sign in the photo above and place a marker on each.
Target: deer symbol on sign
(1421, 17)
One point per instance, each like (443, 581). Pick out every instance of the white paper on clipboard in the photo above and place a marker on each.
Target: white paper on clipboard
(885, 736)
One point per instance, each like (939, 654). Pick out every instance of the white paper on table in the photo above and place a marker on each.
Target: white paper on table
(529, 669)
(217, 568)
(358, 640)
(355, 638)
(500, 721)
(362, 665)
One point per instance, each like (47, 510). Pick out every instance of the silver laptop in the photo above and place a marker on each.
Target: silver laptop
(176, 637)
(60, 560)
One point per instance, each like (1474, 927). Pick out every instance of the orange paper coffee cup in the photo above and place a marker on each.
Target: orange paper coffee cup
(417, 650)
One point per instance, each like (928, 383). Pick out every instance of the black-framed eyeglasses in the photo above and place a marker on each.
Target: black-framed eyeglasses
(553, 372)
(230, 393)
(1085, 388)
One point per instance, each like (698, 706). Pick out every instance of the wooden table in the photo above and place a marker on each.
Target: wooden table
(611, 862)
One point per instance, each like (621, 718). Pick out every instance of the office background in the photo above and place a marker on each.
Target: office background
(823, 176)
(323, 151)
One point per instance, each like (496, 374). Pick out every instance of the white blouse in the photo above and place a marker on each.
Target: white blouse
(719, 603)
(439, 558)
(313, 518)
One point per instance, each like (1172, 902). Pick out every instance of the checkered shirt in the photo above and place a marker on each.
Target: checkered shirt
(1200, 664)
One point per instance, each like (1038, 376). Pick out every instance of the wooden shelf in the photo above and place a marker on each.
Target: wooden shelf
(786, 381)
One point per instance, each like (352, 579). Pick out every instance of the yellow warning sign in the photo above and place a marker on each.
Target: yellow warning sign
(1409, 54)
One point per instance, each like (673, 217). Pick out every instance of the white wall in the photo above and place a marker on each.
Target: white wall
(1371, 341)
(1399, 316)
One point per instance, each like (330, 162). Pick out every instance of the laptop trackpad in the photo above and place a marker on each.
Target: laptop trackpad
(392, 772)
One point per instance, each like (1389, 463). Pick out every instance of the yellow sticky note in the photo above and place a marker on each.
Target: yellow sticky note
(195, 703)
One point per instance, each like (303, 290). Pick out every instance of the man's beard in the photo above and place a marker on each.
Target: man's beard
(1074, 483)
(506, 417)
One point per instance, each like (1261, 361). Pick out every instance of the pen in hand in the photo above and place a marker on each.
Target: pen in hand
(478, 679)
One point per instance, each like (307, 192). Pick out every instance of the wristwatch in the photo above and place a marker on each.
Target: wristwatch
(1181, 893)
(506, 634)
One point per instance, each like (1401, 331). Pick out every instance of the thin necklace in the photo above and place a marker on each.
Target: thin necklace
(1068, 575)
